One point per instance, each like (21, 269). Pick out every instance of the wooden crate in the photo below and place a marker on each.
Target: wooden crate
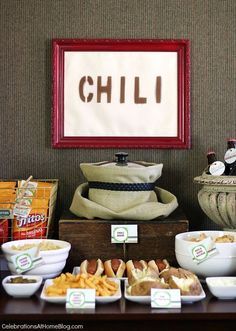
(92, 238)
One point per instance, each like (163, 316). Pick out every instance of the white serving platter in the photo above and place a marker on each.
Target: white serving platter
(98, 299)
(147, 299)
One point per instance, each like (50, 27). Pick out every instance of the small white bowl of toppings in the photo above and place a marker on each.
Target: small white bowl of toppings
(222, 287)
(54, 254)
(21, 286)
(219, 248)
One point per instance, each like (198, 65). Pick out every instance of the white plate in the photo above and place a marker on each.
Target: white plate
(62, 299)
(76, 271)
(147, 298)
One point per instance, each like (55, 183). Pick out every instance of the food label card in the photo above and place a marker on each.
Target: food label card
(203, 250)
(80, 298)
(21, 211)
(27, 260)
(27, 189)
(127, 233)
(22, 206)
(161, 298)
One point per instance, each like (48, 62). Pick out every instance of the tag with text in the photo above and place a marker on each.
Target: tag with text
(27, 260)
(203, 250)
(27, 189)
(22, 206)
(161, 298)
(127, 233)
(21, 211)
(80, 298)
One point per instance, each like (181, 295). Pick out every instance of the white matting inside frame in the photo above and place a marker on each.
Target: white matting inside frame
(120, 94)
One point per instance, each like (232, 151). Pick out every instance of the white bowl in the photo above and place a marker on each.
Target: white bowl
(22, 290)
(221, 264)
(222, 287)
(53, 260)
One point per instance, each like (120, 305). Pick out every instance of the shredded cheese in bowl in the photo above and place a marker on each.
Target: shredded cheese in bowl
(223, 281)
(43, 246)
(221, 239)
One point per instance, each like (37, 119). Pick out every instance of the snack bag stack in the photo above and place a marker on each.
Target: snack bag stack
(7, 199)
(37, 199)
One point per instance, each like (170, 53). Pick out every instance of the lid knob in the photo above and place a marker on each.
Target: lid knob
(121, 159)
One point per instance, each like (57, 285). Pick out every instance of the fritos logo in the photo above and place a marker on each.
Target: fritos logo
(32, 226)
(30, 220)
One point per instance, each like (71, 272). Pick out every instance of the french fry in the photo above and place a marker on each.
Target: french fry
(70, 277)
(102, 291)
(111, 286)
(102, 285)
(89, 283)
(54, 291)
(77, 277)
(81, 283)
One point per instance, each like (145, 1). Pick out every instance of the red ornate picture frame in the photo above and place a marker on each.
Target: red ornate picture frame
(121, 93)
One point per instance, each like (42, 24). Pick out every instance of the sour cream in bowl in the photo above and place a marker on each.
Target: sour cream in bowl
(222, 287)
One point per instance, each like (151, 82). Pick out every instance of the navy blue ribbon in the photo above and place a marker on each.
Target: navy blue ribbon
(122, 186)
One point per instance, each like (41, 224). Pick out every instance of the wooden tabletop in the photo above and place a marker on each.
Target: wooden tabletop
(209, 314)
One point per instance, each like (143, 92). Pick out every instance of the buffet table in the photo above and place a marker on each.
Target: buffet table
(208, 314)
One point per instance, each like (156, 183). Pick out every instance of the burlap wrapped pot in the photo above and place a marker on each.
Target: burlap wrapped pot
(122, 192)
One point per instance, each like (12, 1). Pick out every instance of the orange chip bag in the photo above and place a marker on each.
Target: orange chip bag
(7, 185)
(5, 205)
(39, 203)
(42, 190)
(6, 191)
(8, 198)
(3, 231)
(33, 226)
(35, 203)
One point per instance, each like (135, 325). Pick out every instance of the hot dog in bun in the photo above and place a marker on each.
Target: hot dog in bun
(114, 268)
(134, 264)
(158, 265)
(135, 269)
(92, 267)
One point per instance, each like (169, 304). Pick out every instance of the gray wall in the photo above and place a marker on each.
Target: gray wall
(27, 28)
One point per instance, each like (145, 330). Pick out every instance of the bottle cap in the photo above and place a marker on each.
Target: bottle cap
(217, 168)
(231, 143)
(210, 152)
(211, 157)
